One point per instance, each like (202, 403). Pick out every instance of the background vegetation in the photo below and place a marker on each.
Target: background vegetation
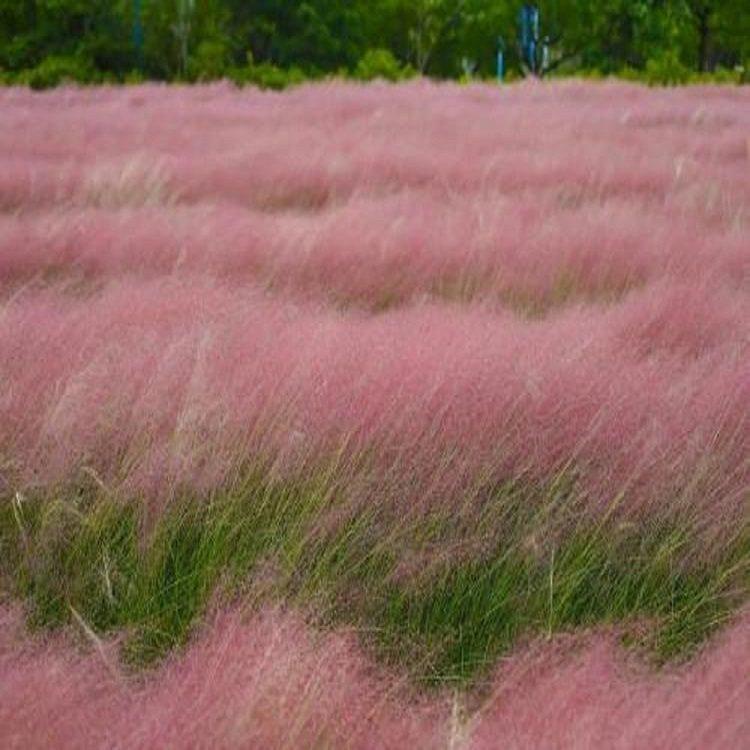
(275, 43)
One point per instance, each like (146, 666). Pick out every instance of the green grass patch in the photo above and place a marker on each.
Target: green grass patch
(84, 555)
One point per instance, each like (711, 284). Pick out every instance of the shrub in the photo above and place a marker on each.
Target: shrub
(266, 75)
(718, 76)
(381, 63)
(54, 70)
(666, 70)
(628, 73)
(134, 78)
(209, 61)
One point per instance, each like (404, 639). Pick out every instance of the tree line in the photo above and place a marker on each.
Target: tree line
(277, 42)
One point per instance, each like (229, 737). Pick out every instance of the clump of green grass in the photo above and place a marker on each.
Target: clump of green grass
(81, 554)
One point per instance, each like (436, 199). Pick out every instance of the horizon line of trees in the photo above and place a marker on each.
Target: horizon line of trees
(282, 41)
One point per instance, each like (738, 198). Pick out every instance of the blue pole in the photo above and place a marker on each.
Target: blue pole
(533, 50)
(500, 59)
(528, 22)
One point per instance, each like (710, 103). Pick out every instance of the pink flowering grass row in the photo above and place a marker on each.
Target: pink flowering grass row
(269, 681)
(524, 252)
(375, 196)
(159, 383)
(320, 143)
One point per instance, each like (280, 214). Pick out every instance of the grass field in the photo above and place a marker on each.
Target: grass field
(375, 416)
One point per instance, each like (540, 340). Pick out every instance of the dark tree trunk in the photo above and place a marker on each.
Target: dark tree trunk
(704, 33)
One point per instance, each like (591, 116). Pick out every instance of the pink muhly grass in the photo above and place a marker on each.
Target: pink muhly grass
(269, 681)
(266, 682)
(320, 143)
(559, 696)
(181, 380)
(127, 380)
(436, 290)
(373, 252)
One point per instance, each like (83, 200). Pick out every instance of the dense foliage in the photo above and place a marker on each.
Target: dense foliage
(274, 43)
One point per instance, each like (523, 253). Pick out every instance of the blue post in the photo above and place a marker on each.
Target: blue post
(500, 59)
(528, 31)
(534, 56)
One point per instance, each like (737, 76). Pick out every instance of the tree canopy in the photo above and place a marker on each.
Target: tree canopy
(204, 39)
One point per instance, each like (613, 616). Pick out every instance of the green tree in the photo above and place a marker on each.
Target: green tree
(199, 39)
